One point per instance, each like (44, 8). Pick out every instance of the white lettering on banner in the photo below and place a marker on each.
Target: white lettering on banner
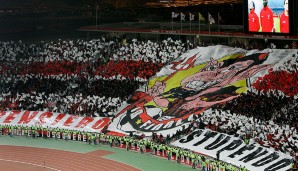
(234, 150)
(190, 118)
(74, 136)
(53, 120)
(79, 137)
(157, 127)
(169, 124)
(150, 126)
(84, 137)
(179, 122)
(146, 123)
(48, 134)
(136, 112)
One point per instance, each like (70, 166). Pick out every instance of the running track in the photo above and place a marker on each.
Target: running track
(18, 158)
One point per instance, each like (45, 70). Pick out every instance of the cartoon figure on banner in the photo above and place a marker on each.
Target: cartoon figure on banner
(164, 103)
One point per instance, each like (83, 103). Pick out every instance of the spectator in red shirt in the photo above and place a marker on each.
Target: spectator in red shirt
(266, 18)
(284, 18)
(253, 19)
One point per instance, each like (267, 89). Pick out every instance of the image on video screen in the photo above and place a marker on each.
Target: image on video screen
(268, 16)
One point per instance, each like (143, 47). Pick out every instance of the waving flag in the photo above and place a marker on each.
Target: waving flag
(201, 18)
(174, 15)
(191, 17)
(210, 19)
(182, 17)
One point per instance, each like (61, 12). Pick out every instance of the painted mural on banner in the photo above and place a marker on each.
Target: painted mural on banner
(234, 150)
(53, 120)
(194, 82)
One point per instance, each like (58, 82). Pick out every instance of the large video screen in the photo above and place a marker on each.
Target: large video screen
(268, 16)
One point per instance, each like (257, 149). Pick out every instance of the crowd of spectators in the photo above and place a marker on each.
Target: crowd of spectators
(281, 80)
(88, 78)
(270, 121)
(94, 78)
(263, 44)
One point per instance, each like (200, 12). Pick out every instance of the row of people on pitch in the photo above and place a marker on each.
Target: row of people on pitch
(143, 144)
(197, 160)
(44, 131)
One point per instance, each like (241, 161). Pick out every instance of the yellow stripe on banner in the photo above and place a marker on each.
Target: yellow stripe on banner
(242, 86)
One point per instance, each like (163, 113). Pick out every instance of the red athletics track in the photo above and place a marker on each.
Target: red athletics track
(18, 158)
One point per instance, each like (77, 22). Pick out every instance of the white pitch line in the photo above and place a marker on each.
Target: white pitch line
(30, 164)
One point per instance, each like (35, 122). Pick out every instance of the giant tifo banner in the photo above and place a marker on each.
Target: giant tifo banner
(53, 120)
(194, 82)
(234, 150)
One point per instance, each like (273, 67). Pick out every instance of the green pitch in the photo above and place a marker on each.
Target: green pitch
(277, 24)
(145, 162)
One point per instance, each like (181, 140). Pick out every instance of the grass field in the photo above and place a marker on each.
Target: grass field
(145, 162)
(276, 24)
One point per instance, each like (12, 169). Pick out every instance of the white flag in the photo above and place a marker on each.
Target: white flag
(219, 18)
(210, 19)
(174, 15)
(191, 17)
(182, 17)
